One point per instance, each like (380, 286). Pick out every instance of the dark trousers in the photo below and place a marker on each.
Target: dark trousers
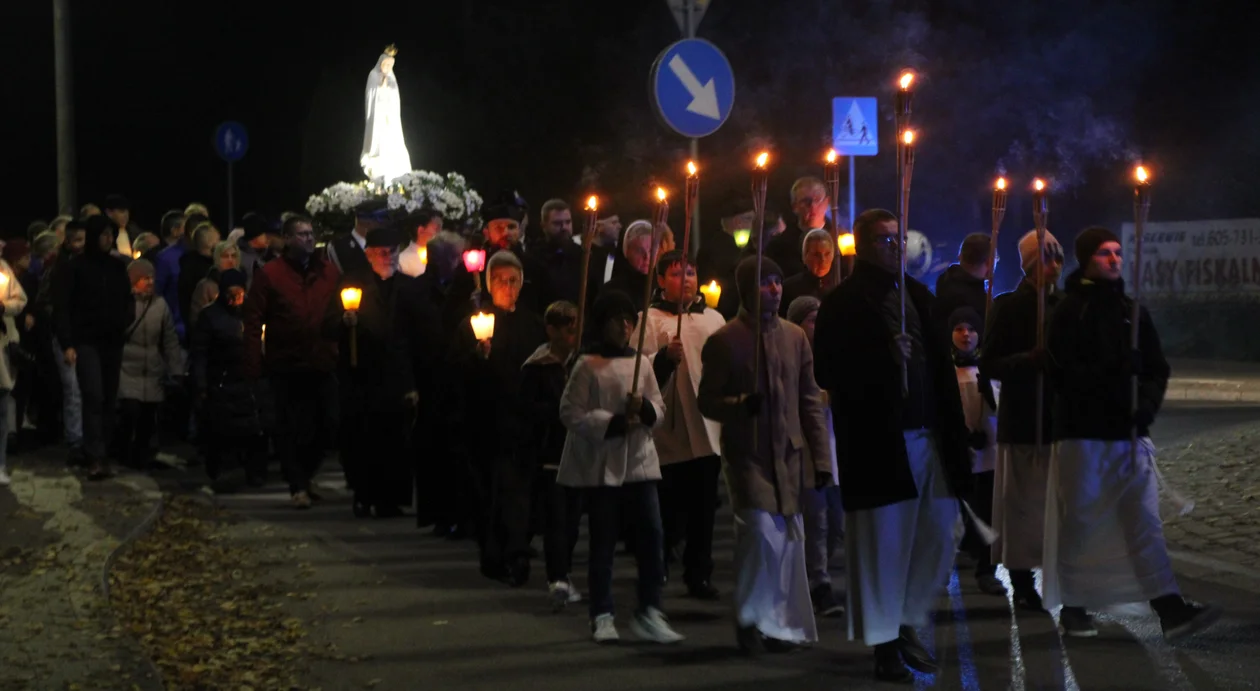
(376, 465)
(136, 423)
(561, 516)
(638, 502)
(505, 482)
(689, 493)
(97, 369)
(981, 501)
(306, 419)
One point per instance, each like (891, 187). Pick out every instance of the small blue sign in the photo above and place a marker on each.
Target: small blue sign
(231, 141)
(693, 87)
(855, 125)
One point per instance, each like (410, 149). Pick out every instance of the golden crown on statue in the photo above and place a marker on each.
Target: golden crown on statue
(391, 50)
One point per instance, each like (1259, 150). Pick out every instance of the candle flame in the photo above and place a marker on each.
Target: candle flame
(660, 194)
(1039, 185)
(424, 254)
(907, 78)
(762, 158)
(908, 137)
(846, 245)
(712, 294)
(831, 156)
(1001, 183)
(482, 325)
(350, 298)
(691, 168)
(1141, 174)
(592, 203)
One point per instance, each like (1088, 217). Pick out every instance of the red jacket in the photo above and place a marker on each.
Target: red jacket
(291, 302)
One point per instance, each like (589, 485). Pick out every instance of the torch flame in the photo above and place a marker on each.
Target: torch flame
(691, 168)
(908, 137)
(831, 156)
(1141, 174)
(660, 193)
(1001, 183)
(762, 158)
(907, 78)
(592, 203)
(1039, 185)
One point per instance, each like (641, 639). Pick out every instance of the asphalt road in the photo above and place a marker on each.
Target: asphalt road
(428, 620)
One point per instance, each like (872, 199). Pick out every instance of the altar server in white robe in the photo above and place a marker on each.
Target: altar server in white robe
(1010, 355)
(1104, 540)
(903, 458)
(686, 442)
(765, 428)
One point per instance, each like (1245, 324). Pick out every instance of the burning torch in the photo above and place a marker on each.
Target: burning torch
(999, 212)
(1141, 207)
(689, 200)
(592, 214)
(662, 215)
(907, 172)
(1041, 211)
(831, 177)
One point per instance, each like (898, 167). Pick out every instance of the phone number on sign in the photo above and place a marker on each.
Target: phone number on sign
(1220, 238)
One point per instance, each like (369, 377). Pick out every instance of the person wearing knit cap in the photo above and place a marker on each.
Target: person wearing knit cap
(770, 412)
(823, 511)
(151, 354)
(1104, 540)
(1010, 356)
(609, 454)
(687, 442)
(901, 445)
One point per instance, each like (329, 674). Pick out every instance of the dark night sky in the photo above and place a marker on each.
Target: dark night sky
(549, 96)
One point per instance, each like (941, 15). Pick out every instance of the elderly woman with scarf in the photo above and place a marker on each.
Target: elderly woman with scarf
(150, 353)
(231, 414)
(226, 256)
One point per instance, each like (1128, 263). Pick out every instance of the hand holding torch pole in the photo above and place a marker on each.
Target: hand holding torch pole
(999, 212)
(760, 179)
(662, 215)
(1041, 211)
(903, 225)
(692, 190)
(588, 236)
(1141, 207)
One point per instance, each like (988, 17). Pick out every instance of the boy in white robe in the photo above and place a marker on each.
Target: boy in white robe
(686, 442)
(1104, 541)
(610, 455)
(768, 418)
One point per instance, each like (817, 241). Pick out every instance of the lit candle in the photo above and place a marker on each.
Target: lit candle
(741, 237)
(4, 279)
(483, 326)
(135, 255)
(846, 245)
(475, 260)
(712, 293)
(424, 254)
(350, 298)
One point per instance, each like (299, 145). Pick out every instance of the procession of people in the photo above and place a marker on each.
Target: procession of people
(511, 397)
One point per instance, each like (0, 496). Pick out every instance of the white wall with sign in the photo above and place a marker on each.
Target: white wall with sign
(1198, 260)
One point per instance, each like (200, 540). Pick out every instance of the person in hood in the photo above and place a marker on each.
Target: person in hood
(1010, 355)
(688, 444)
(769, 412)
(901, 443)
(963, 284)
(542, 385)
(609, 454)
(818, 254)
(1104, 540)
(93, 308)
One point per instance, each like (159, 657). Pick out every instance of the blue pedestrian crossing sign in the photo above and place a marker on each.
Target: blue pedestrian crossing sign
(693, 87)
(231, 141)
(855, 125)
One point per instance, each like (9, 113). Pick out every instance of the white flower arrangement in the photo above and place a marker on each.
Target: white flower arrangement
(449, 196)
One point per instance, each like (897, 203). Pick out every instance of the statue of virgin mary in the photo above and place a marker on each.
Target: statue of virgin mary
(385, 156)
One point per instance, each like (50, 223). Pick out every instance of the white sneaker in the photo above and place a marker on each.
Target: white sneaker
(575, 595)
(652, 625)
(4, 478)
(603, 630)
(561, 594)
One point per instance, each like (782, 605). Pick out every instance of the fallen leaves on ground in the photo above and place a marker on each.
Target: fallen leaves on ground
(201, 608)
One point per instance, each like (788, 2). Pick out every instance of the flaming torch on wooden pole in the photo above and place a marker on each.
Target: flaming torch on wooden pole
(658, 223)
(999, 212)
(1041, 212)
(760, 179)
(905, 169)
(588, 237)
(831, 177)
(1141, 207)
(691, 191)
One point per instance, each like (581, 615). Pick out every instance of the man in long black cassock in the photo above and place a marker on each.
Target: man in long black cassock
(903, 457)
(377, 402)
(495, 419)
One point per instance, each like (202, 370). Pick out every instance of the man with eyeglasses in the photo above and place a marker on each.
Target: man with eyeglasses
(810, 204)
(902, 453)
(290, 296)
(1010, 355)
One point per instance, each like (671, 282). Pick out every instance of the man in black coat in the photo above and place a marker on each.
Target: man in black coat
(556, 253)
(962, 284)
(903, 456)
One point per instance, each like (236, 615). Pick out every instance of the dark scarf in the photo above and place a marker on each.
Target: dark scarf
(962, 359)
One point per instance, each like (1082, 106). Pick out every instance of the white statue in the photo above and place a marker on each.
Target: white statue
(385, 156)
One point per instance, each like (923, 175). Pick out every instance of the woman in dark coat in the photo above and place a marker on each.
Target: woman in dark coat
(231, 415)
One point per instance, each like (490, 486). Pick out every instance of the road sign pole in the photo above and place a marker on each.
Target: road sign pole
(229, 200)
(852, 193)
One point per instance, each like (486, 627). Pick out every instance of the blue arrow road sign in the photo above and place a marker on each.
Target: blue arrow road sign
(693, 87)
(231, 141)
(855, 125)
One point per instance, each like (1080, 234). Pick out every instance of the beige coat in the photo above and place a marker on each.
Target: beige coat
(684, 434)
(597, 391)
(771, 477)
(14, 300)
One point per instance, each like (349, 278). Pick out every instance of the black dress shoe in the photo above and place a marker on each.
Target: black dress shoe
(703, 590)
(889, 665)
(914, 654)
